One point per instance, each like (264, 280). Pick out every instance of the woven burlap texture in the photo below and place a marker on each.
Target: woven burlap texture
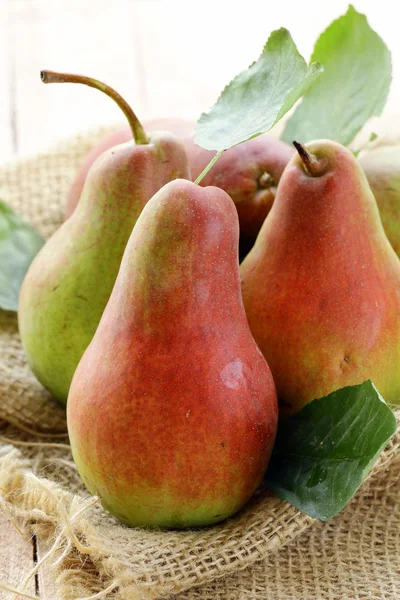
(91, 550)
(355, 556)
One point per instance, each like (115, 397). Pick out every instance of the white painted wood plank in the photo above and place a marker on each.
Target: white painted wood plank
(47, 585)
(92, 38)
(6, 145)
(16, 558)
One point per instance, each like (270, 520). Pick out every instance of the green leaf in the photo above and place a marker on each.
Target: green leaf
(19, 244)
(324, 452)
(256, 99)
(353, 87)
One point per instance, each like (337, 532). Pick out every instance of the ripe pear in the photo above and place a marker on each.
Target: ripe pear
(172, 411)
(70, 281)
(321, 286)
(249, 172)
(382, 168)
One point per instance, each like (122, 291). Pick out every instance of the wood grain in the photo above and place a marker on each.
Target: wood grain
(93, 39)
(47, 586)
(16, 558)
(7, 149)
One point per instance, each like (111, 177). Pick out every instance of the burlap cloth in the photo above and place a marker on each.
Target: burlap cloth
(270, 551)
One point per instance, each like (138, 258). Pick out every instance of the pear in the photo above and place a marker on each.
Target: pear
(321, 286)
(70, 281)
(172, 411)
(249, 172)
(382, 168)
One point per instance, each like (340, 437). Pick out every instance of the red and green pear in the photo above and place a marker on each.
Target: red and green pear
(172, 411)
(70, 280)
(321, 286)
(382, 168)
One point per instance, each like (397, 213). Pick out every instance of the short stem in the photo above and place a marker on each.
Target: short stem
(138, 132)
(209, 166)
(312, 165)
(265, 181)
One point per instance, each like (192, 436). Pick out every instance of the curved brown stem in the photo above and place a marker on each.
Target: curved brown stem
(138, 132)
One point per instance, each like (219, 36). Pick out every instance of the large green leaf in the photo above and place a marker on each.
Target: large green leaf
(257, 98)
(19, 244)
(324, 452)
(353, 87)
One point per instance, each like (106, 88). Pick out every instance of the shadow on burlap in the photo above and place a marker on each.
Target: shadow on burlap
(258, 554)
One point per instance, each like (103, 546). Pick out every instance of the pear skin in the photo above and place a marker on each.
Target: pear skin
(172, 411)
(382, 168)
(321, 286)
(70, 281)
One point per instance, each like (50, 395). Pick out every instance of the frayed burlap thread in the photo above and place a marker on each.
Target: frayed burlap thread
(257, 554)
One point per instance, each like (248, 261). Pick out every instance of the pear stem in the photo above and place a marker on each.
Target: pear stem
(139, 134)
(265, 181)
(208, 167)
(311, 164)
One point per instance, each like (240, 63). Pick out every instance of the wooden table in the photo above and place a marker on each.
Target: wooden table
(19, 554)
